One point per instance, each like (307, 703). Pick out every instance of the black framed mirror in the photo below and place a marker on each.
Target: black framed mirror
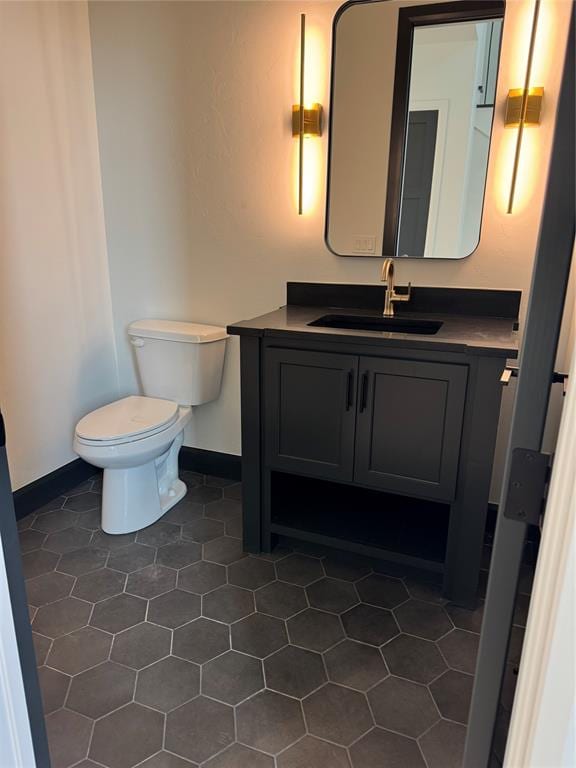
(412, 107)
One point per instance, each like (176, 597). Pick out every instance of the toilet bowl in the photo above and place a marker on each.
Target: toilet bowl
(136, 440)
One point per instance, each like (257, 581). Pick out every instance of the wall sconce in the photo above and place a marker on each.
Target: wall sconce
(306, 121)
(523, 106)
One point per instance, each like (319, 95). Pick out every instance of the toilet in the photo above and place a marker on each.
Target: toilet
(136, 440)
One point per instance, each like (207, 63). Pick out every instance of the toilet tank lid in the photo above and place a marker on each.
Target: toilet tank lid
(173, 330)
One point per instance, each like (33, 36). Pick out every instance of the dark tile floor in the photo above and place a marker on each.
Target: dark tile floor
(171, 648)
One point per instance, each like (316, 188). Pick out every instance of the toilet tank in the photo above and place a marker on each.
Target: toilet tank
(179, 361)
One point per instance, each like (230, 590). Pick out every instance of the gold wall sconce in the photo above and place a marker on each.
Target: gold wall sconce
(515, 104)
(524, 106)
(306, 121)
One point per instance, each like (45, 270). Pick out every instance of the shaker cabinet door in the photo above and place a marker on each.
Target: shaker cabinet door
(409, 426)
(310, 412)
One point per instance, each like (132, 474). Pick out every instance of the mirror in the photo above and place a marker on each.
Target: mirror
(412, 105)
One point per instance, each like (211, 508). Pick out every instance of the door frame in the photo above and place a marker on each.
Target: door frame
(16, 644)
(538, 355)
(539, 729)
(442, 106)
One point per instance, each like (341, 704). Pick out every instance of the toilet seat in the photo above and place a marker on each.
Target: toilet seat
(127, 420)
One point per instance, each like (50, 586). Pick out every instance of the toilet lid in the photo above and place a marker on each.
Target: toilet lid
(127, 418)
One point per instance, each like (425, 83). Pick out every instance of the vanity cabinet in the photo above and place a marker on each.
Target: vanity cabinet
(380, 443)
(409, 426)
(386, 423)
(310, 419)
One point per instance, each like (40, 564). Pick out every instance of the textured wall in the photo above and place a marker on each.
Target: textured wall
(57, 348)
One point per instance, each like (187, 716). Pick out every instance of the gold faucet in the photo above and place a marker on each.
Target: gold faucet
(391, 295)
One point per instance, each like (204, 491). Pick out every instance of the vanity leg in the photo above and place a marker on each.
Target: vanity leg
(268, 539)
(250, 353)
(468, 513)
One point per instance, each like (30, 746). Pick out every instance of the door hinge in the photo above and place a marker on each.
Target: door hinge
(527, 486)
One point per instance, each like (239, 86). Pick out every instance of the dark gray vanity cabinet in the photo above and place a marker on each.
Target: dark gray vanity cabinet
(410, 416)
(378, 443)
(386, 423)
(310, 416)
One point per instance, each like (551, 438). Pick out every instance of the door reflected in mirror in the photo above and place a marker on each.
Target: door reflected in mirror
(413, 90)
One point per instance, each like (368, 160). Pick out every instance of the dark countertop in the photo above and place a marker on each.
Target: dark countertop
(459, 333)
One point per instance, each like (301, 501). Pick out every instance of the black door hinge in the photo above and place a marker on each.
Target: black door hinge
(527, 486)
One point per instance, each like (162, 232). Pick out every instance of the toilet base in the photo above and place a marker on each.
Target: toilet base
(136, 497)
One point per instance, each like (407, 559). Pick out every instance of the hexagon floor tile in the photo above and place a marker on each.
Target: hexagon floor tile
(168, 684)
(315, 630)
(369, 624)
(337, 714)
(413, 658)
(232, 677)
(294, 671)
(118, 613)
(332, 595)
(127, 737)
(49, 587)
(402, 751)
(140, 646)
(201, 640)
(228, 603)
(402, 706)
(355, 665)
(300, 657)
(422, 619)
(299, 569)
(310, 751)
(251, 573)
(269, 721)
(443, 745)
(382, 591)
(101, 689)
(201, 577)
(259, 635)
(61, 617)
(68, 737)
(174, 608)
(99, 585)
(452, 692)
(199, 729)
(53, 687)
(80, 650)
(280, 599)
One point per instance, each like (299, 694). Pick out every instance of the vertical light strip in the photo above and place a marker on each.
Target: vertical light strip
(301, 116)
(524, 106)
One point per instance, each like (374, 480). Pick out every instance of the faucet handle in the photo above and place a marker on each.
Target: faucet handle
(403, 296)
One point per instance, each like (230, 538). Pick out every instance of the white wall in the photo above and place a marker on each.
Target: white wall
(193, 104)
(57, 349)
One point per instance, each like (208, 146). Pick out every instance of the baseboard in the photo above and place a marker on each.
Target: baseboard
(211, 463)
(41, 491)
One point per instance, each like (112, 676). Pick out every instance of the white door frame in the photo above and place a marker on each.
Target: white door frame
(16, 746)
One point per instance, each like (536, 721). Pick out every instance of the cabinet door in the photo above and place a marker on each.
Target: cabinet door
(310, 412)
(409, 426)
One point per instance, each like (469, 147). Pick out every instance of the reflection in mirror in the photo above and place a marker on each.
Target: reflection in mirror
(411, 117)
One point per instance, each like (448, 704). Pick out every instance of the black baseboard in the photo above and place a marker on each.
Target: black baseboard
(43, 490)
(211, 463)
